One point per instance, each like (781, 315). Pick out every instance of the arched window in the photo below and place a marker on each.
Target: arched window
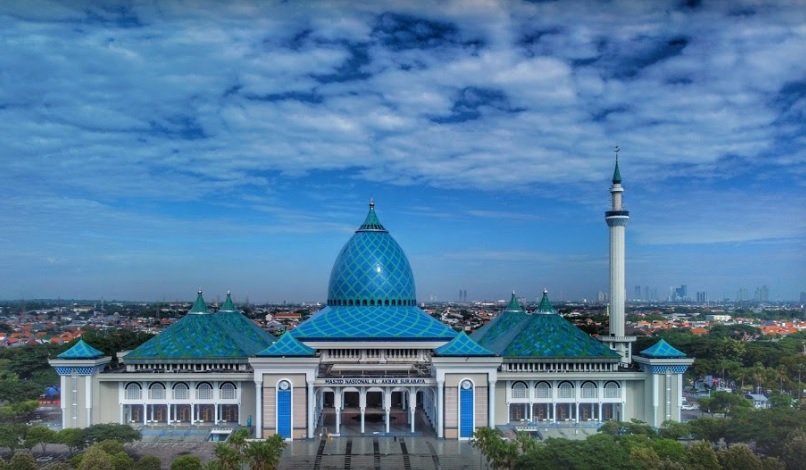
(204, 391)
(228, 391)
(520, 390)
(589, 390)
(612, 390)
(133, 391)
(542, 390)
(156, 391)
(284, 409)
(351, 302)
(466, 409)
(181, 391)
(565, 390)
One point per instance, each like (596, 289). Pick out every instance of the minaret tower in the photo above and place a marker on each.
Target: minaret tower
(617, 219)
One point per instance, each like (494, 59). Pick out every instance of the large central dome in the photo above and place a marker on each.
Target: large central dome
(371, 269)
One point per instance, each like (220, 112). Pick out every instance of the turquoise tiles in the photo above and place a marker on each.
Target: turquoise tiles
(372, 323)
(662, 349)
(287, 346)
(81, 350)
(462, 346)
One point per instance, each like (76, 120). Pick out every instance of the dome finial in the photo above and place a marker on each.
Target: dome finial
(371, 223)
(616, 172)
(371, 202)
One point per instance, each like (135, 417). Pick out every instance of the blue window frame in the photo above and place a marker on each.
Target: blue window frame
(284, 409)
(466, 409)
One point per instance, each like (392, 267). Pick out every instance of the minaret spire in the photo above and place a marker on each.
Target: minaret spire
(617, 219)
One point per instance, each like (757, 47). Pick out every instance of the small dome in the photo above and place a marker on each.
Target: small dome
(371, 269)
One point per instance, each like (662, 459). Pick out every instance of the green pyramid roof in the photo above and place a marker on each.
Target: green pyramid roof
(223, 335)
(371, 223)
(462, 346)
(513, 305)
(616, 174)
(518, 334)
(81, 350)
(545, 304)
(199, 306)
(398, 323)
(287, 345)
(229, 305)
(662, 349)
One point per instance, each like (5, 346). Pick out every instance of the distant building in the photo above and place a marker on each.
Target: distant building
(718, 318)
(702, 297)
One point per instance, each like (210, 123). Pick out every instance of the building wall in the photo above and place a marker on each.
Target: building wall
(501, 409)
(299, 405)
(106, 402)
(451, 408)
(247, 403)
(635, 400)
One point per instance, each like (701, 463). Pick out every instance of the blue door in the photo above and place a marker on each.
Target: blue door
(284, 413)
(466, 410)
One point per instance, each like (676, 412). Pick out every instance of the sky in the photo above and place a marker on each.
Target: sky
(148, 149)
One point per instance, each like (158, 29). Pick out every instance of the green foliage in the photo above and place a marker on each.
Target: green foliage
(265, 455)
(701, 456)
(739, 457)
(12, 435)
(148, 462)
(73, 438)
(186, 462)
(113, 431)
(22, 460)
(258, 455)
(18, 411)
(95, 458)
(110, 342)
(57, 466)
(40, 435)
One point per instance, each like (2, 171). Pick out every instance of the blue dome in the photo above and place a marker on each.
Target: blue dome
(371, 269)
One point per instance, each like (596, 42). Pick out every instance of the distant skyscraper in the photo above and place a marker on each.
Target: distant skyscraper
(762, 294)
(637, 293)
(742, 295)
(702, 297)
(803, 297)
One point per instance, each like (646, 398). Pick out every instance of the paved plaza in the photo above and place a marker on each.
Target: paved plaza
(380, 452)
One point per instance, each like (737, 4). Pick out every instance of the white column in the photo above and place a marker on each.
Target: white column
(387, 403)
(63, 399)
(337, 407)
(145, 414)
(440, 408)
(413, 405)
(311, 409)
(679, 396)
(88, 398)
(259, 407)
(655, 399)
(491, 398)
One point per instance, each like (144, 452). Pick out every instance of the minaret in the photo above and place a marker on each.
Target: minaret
(617, 219)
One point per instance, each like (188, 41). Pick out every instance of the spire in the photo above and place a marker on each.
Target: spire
(545, 304)
(616, 172)
(229, 305)
(371, 223)
(199, 306)
(513, 305)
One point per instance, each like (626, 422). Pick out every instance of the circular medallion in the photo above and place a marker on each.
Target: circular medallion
(284, 385)
(466, 385)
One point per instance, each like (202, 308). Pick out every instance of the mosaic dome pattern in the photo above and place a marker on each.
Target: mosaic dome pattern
(371, 270)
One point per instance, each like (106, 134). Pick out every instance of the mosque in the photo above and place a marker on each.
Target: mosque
(372, 361)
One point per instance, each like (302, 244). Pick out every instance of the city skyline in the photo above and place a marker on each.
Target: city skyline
(148, 151)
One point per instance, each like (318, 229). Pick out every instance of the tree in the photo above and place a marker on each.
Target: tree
(12, 435)
(795, 450)
(40, 435)
(739, 457)
(22, 460)
(186, 462)
(73, 438)
(701, 456)
(709, 429)
(265, 455)
(95, 458)
(148, 462)
(18, 411)
(118, 432)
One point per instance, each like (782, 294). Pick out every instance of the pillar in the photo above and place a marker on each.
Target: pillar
(440, 408)
(259, 407)
(62, 391)
(337, 407)
(413, 405)
(491, 399)
(311, 409)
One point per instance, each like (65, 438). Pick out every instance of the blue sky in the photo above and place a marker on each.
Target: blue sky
(150, 148)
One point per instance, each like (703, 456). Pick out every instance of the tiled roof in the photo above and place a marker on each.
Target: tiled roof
(199, 306)
(229, 305)
(662, 349)
(517, 334)
(371, 268)
(287, 346)
(81, 350)
(616, 174)
(372, 323)
(545, 305)
(462, 346)
(513, 305)
(223, 335)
